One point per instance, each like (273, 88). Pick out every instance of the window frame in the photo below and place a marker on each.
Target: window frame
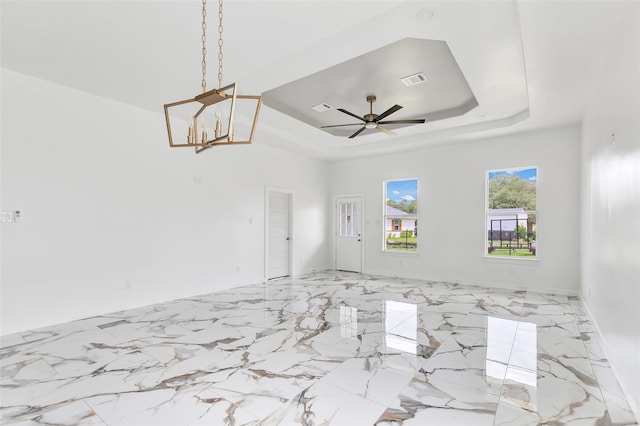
(385, 218)
(487, 214)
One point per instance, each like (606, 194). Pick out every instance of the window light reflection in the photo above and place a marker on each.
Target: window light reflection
(511, 350)
(401, 326)
(512, 356)
(348, 322)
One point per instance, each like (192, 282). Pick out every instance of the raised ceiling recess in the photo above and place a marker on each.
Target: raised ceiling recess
(441, 90)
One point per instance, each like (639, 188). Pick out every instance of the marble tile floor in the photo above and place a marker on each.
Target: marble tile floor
(329, 348)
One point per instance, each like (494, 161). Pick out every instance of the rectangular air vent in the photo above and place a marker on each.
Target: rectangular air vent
(414, 79)
(322, 107)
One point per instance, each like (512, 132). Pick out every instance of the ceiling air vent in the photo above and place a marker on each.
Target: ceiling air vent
(414, 79)
(322, 107)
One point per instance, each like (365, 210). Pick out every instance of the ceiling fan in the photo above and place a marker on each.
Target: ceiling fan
(374, 121)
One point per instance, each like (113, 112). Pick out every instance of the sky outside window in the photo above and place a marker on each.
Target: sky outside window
(530, 175)
(402, 190)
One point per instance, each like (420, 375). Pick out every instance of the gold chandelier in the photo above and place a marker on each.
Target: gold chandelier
(187, 122)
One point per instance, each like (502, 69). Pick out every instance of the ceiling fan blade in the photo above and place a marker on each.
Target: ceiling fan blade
(388, 112)
(357, 133)
(351, 114)
(341, 125)
(416, 121)
(387, 131)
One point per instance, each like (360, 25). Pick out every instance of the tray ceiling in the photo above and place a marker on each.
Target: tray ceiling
(444, 94)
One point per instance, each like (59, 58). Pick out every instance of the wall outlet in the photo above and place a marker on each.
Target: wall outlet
(237, 268)
(128, 285)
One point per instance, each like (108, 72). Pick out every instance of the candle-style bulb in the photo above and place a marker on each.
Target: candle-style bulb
(190, 136)
(218, 123)
(204, 132)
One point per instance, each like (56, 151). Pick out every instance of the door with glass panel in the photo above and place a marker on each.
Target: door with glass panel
(349, 234)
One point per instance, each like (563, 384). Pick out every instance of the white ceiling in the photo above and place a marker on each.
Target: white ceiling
(530, 64)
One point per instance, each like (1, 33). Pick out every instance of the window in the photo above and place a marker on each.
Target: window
(348, 219)
(401, 215)
(511, 213)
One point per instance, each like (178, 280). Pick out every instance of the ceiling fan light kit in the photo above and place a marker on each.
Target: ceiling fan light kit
(189, 117)
(374, 121)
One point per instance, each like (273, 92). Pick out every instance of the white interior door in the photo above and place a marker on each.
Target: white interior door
(279, 237)
(348, 234)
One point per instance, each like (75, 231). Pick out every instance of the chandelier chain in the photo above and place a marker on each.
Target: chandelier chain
(220, 28)
(204, 46)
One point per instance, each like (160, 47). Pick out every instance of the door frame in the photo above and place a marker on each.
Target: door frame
(335, 228)
(267, 218)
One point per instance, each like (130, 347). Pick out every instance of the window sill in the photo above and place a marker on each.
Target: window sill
(514, 259)
(401, 252)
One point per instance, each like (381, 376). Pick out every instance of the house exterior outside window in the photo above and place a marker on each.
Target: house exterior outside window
(401, 216)
(398, 221)
(511, 213)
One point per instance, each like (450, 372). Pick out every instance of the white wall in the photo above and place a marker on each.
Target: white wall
(113, 218)
(610, 259)
(451, 202)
